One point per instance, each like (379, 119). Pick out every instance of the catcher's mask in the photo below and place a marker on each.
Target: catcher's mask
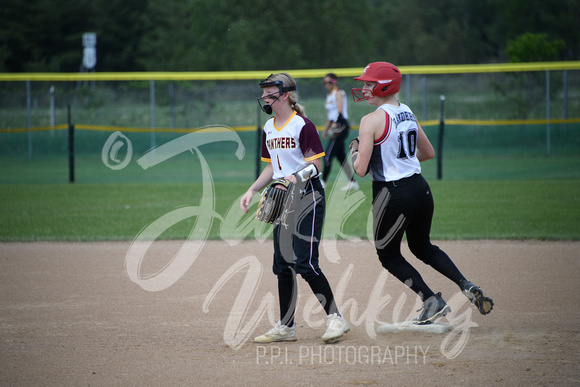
(386, 75)
(267, 108)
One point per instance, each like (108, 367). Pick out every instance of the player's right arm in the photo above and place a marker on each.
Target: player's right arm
(326, 128)
(261, 182)
(370, 125)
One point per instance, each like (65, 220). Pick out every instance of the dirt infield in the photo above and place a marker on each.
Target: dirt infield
(70, 314)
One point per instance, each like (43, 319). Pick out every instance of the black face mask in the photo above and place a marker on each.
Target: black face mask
(267, 108)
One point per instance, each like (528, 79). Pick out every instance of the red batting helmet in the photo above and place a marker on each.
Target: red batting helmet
(386, 75)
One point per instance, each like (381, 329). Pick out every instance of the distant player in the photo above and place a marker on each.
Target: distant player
(289, 143)
(391, 145)
(336, 129)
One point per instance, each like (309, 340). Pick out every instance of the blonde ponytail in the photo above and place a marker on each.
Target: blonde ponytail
(299, 109)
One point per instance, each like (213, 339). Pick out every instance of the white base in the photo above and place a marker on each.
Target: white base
(409, 326)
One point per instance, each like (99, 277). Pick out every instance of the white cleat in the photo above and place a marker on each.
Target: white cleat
(278, 333)
(336, 326)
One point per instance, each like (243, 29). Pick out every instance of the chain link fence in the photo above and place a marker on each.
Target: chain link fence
(497, 125)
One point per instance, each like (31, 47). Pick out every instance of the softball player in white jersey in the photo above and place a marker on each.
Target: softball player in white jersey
(289, 143)
(337, 113)
(390, 146)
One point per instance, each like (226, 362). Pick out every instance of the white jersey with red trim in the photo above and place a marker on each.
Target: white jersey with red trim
(394, 154)
(292, 146)
(332, 106)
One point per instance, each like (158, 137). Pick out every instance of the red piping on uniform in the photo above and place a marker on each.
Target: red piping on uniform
(387, 131)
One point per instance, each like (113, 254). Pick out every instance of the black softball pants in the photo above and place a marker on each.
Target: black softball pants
(406, 206)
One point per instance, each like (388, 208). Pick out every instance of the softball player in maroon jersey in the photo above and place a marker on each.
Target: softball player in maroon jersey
(391, 145)
(289, 143)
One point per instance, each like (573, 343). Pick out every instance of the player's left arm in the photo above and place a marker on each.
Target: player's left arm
(425, 150)
(366, 138)
(310, 145)
(318, 163)
(315, 161)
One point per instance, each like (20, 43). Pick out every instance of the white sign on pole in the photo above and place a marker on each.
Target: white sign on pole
(89, 50)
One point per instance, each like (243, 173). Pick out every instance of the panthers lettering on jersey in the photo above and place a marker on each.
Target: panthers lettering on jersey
(291, 146)
(395, 153)
(281, 143)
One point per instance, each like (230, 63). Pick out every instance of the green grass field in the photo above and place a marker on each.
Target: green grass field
(495, 186)
(466, 209)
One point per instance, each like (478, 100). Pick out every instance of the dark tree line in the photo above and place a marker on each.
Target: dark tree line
(229, 35)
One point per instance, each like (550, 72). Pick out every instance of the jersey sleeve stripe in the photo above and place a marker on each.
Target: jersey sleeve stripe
(317, 156)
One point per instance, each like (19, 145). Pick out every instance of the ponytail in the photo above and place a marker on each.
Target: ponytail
(299, 109)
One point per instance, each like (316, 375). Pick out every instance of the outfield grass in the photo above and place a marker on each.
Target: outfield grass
(505, 209)
(226, 168)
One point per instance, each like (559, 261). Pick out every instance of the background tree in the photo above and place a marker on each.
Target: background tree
(119, 28)
(226, 35)
(528, 47)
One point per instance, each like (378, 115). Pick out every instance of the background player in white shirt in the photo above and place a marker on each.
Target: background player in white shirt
(289, 143)
(337, 115)
(391, 145)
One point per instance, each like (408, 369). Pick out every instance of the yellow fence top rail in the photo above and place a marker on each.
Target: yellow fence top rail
(250, 128)
(319, 73)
